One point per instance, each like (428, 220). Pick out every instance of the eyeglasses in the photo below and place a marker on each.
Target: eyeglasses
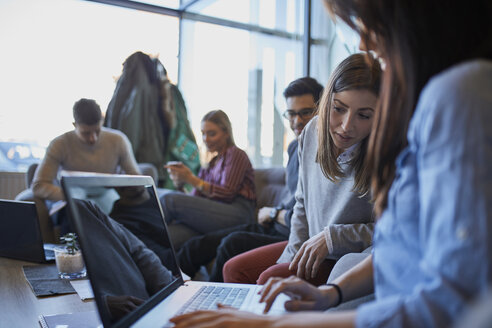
(304, 113)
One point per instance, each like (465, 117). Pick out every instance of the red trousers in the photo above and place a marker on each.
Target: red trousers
(258, 265)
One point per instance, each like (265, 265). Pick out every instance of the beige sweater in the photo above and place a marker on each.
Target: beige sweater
(111, 153)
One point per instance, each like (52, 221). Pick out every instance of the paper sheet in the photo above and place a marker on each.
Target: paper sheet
(83, 288)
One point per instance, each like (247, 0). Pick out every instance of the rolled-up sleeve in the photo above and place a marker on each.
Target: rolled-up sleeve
(348, 238)
(233, 177)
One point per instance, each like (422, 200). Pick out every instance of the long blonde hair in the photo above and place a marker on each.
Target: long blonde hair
(356, 72)
(219, 118)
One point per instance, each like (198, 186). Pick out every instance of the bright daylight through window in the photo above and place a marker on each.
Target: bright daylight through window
(58, 51)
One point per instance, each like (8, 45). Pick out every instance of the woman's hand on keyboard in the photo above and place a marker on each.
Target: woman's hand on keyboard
(225, 317)
(304, 296)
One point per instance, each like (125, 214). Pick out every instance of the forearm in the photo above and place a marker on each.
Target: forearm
(49, 191)
(131, 167)
(281, 217)
(200, 185)
(358, 281)
(339, 319)
(215, 191)
(348, 238)
(46, 173)
(128, 162)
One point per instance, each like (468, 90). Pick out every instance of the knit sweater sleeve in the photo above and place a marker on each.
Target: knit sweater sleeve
(43, 182)
(128, 163)
(348, 238)
(299, 229)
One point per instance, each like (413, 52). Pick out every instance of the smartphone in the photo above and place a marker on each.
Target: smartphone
(171, 163)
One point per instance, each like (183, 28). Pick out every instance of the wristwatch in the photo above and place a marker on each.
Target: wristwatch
(274, 212)
(200, 186)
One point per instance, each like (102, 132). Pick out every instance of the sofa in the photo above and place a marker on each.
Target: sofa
(49, 232)
(270, 189)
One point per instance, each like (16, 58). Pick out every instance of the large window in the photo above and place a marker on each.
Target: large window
(243, 72)
(236, 55)
(331, 42)
(55, 52)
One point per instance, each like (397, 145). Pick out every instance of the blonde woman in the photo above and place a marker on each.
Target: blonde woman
(224, 191)
(333, 214)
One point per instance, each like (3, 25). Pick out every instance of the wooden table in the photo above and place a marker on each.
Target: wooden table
(19, 307)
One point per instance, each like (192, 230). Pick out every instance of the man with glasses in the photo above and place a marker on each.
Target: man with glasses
(298, 118)
(302, 96)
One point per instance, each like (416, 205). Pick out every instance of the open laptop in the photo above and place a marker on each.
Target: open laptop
(107, 248)
(20, 233)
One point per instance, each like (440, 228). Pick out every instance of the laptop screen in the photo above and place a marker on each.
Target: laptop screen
(20, 234)
(129, 257)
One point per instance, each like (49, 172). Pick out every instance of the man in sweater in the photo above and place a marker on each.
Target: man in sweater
(302, 96)
(89, 148)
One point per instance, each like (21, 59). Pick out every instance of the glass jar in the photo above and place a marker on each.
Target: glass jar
(70, 264)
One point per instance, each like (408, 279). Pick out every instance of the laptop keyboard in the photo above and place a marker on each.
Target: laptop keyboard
(207, 297)
(49, 254)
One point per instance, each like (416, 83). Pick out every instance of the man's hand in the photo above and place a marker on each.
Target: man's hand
(119, 306)
(310, 256)
(264, 216)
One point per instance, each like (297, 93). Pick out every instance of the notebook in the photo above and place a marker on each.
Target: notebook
(20, 233)
(70, 320)
(130, 259)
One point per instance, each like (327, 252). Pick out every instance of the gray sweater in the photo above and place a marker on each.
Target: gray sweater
(112, 152)
(345, 218)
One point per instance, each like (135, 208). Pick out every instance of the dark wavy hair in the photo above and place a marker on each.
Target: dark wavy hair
(417, 39)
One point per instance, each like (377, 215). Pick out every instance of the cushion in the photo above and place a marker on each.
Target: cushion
(270, 186)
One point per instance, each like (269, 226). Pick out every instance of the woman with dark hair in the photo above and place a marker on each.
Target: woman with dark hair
(430, 174)
(224, 191)
(333, 214)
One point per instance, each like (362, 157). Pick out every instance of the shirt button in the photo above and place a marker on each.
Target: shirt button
(461, 234)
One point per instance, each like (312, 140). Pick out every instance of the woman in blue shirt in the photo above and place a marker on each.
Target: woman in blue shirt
(431, 179)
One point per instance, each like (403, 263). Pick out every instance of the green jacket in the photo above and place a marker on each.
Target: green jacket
(152, 113)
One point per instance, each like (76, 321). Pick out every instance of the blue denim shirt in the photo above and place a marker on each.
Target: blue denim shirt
(433, 244)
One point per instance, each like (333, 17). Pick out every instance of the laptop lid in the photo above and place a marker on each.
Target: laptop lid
(20, 234)
(129, 257)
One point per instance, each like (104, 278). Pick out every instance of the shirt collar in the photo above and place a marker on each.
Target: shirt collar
(348, 154)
